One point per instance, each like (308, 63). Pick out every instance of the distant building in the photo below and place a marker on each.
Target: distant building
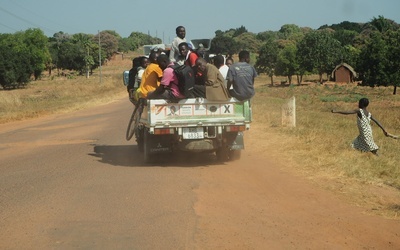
(344, 73)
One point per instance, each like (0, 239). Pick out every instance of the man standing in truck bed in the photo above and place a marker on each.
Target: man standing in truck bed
(174, 54)
(241, 76)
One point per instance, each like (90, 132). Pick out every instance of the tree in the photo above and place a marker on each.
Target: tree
(86, 42)
(23, 54)
(346, 25)
(373, 61)
(380, 60)
(39, 55)
(319, 51)
(224, 45)
(239, 31)
(290, 32)
(350, 55)
(126, 45)
(382, 24)
(287, 64)
(108, 42)
(54, 44)
(248, 41)
(267, 59)
(71, 56)
(345, 37)
(393, 55)
(15, 67)
(267, 36)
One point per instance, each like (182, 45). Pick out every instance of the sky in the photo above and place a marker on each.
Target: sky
(200, 18)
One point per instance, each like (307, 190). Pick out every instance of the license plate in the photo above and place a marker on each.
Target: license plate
(193, 133)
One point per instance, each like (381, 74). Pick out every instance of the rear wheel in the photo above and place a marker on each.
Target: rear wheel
(222, 153)
(235, 155)
(140, 138)
(130, 131)
(146, 147)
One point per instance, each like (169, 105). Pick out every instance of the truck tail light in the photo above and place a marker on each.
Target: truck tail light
(164, 131)
(237, 128)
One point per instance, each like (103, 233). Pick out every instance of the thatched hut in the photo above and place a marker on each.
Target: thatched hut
(344, 73)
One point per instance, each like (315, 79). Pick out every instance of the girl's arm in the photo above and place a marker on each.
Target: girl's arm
(377, 123)
(345, 112)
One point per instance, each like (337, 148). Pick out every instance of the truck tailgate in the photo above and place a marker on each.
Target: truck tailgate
(196, 112)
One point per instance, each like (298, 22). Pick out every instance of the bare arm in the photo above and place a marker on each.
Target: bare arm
(345, 112)
(377, 123)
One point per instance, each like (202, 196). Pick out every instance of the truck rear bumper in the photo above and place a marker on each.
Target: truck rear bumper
(197, 145)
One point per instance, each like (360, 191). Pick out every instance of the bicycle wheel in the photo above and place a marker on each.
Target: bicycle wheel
(130, 131)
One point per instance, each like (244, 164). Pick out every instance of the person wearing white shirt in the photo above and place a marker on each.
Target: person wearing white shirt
(219, 62)
(174, 55)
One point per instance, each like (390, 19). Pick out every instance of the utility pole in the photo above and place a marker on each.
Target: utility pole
(99, 55)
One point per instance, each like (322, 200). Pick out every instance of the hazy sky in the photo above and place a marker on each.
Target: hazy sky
(201, 18)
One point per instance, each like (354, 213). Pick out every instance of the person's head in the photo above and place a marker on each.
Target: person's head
(136, 62)
(184, 49)
(244, 56)
(363, 103)
(153, 56)
(219, 61)
(180, 32)
(201, 64)
(163, 61)
(144, 61)
(229, 61)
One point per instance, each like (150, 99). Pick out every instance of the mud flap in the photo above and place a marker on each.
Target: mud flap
(159, 144)
(236, 142)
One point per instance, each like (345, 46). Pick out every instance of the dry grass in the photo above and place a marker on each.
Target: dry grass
(53, 94)
(319, 146)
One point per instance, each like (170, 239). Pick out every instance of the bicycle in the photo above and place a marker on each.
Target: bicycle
(135, 118)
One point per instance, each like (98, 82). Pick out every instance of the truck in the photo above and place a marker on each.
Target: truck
(191, 125)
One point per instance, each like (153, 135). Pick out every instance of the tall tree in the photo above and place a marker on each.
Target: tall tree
(382, 24)
(267, 59)
(54, 45)
(393, 58)
(248, 41)
(267, 36)
(224, 45)
(287, 64)
(86, 42)
(290, 32)
(39, 55)
(373, 61)
(240, 31)
(108, 41)
(393, 43)
(15, 66)
(319, 51)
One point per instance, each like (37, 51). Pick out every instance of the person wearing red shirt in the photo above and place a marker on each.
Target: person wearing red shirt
(188, 54)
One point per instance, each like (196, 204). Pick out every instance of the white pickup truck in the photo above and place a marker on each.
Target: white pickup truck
(195, 125)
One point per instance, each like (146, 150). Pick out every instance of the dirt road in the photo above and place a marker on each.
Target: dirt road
(73, 182)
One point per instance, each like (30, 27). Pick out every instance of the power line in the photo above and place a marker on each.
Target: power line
(27, 21)
(36, 14)
(8, 27)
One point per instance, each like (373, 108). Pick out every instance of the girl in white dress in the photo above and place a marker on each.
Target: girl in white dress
(364, 141)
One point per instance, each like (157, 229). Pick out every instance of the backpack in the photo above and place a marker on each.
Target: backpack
(186, 79)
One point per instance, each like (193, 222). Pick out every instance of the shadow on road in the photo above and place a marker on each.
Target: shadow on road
(129, 156)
